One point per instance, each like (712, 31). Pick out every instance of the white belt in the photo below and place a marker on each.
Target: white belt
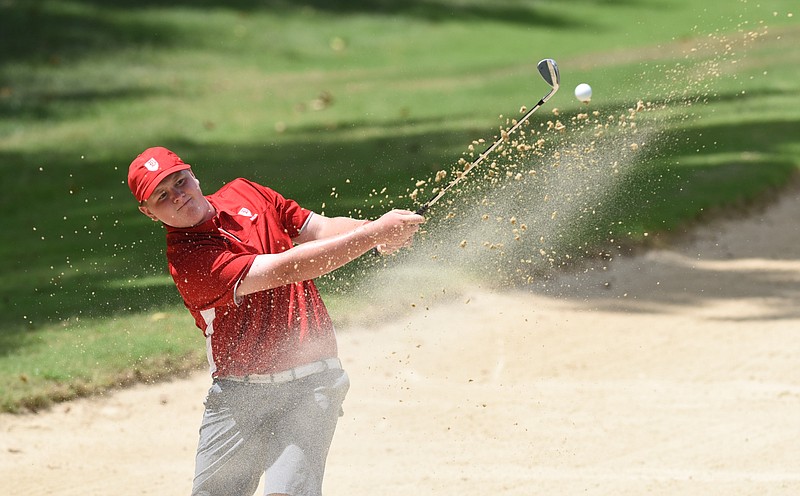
(289, 375)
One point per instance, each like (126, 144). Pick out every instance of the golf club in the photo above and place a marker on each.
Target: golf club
(549, 71)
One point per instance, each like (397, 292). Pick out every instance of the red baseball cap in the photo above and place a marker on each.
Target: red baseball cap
(150, 168)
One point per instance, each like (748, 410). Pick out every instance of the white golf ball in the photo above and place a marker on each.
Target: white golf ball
(583, 92)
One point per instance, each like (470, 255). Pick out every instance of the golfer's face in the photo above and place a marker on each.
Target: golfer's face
(178, 201)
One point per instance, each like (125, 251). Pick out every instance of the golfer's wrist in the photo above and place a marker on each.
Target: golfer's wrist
(371, 231)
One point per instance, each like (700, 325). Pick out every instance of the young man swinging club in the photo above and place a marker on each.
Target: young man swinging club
(243, 260)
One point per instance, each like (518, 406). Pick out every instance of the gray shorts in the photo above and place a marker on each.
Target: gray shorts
(282, 430)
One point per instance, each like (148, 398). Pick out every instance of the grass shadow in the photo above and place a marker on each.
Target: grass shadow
(50, 32)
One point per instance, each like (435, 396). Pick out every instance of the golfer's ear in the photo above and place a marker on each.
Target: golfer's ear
(146, 211)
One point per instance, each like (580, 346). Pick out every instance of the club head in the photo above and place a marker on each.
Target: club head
(549, 71)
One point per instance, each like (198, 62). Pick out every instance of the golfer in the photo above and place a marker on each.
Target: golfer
(243, 260)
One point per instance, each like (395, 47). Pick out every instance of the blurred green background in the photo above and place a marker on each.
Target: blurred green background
(330, 102)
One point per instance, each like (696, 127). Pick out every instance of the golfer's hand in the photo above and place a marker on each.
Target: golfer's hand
(395, 230)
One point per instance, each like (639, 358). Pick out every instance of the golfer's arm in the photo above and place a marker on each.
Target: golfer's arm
(307, 260)
(320, 227)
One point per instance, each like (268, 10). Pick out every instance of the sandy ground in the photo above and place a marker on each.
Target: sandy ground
(676, 371)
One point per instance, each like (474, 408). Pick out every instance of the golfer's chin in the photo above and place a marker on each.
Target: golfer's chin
(189, 215)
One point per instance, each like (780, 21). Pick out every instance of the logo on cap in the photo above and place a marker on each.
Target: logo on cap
(151, 165)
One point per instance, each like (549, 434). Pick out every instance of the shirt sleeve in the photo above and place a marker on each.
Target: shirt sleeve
(294, 216)
(207, 275)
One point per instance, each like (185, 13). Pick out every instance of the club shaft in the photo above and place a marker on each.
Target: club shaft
(428, 204)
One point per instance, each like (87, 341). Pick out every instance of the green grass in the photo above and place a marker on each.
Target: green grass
(70, 359)
(86, 85)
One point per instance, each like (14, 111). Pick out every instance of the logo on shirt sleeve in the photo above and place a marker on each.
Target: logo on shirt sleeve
(247, 213)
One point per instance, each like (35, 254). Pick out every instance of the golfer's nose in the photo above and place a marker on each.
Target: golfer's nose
(176, 194)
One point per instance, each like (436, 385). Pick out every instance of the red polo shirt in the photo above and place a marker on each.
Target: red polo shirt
(262, 332)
